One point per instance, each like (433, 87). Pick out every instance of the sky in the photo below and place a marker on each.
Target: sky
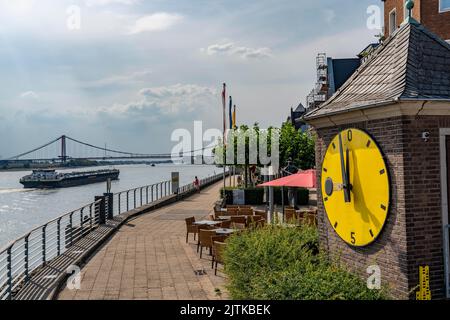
(129, 72)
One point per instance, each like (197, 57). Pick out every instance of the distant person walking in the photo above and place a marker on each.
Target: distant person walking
(197, 184)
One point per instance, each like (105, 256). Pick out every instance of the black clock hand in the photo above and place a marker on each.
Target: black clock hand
(348, 187)
(344, 174)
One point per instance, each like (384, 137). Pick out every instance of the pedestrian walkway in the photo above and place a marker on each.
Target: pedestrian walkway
(148, 258)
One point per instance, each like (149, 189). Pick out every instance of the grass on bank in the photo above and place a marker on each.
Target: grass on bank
(284, 263)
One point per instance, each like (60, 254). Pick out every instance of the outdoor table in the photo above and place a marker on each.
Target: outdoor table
(225, 231)
(207, 222)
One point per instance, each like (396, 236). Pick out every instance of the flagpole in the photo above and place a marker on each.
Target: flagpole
(224, 98)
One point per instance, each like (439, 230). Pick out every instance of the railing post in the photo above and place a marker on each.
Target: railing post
(153, 194)
(161, 189)
(71, 229)
(146, 195)
(119, 209)
(44, 248)
(128, 200)
(134, 198)
(9, 272)
(90, 217)
(58, 237)
(157, 192)
(102, 208)
(27, 259)
(109, 197)
(140, 193)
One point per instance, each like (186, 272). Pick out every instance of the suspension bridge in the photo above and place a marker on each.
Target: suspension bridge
(65, 148)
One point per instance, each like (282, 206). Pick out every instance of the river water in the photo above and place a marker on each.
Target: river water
(22, 210)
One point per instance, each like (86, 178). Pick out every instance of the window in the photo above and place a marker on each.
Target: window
(392, 21)
(444, 5)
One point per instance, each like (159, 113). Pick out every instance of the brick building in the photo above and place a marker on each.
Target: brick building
(433, 14)
(401, 97)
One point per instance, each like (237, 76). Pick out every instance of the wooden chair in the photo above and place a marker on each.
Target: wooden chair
(202, 227)
(232, 211)
(191, 228)
(290, 215)
(219, 248)
(232, 206)
(222, 239)
(226, 224)
(252, 221)
(239, 219)
(204, 237)
(310, 219)
(245, 211)
(261, 213)
(238, 226)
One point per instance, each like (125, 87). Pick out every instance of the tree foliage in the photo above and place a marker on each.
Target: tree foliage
(297, 146)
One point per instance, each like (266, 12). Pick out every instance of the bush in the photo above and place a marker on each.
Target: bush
(276, 263)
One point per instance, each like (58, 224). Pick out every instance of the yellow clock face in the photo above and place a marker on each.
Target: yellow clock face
(355, 187)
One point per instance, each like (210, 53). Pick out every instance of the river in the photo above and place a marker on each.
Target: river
(22, 209)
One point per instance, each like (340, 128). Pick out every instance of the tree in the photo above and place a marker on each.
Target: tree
(297, 146)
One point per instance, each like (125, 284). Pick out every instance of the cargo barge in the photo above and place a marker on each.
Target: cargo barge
(49, 178)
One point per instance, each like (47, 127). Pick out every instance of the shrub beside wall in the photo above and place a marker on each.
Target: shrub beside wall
(276, 263)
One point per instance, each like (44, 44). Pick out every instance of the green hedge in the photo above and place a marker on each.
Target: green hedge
(255, 196)
(276, 263)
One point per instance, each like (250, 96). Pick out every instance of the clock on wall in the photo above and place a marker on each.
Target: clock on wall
(355, 187)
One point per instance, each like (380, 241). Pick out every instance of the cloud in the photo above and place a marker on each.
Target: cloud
(156, 22)
(176, 101)
(232, 50)
(329, 15)
(93, 3)
(30, 95)
(120, 79)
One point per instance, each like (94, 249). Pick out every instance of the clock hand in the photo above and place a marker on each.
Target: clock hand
(344, 174)
(348, 187)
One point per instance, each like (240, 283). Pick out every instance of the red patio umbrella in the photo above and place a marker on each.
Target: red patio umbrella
(303, 179)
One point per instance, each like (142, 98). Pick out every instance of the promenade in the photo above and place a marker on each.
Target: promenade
(148, 258)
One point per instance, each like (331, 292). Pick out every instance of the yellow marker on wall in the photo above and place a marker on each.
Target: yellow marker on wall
(424, 292)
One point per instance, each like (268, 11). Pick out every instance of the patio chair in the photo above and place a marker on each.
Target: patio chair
(245, 211)
(260, 213)
(204, 237)
(252, 220)
(232, 211)
(219, 248)
(202, 227)
(290, 215)
(239, 219)
(238, 226)
(221, 239)
(191, 228)
(226, 224)
(310, 219)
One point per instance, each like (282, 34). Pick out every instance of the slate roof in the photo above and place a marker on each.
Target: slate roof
(413, 64)
(300, 108)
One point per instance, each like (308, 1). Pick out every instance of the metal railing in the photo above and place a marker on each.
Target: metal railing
(125, 201)
(30, 252)
(26, 255)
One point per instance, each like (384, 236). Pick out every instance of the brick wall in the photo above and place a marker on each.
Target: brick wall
(389, 5)
(413, 233)
(425, 11)
(423, 194)
(438, 23)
